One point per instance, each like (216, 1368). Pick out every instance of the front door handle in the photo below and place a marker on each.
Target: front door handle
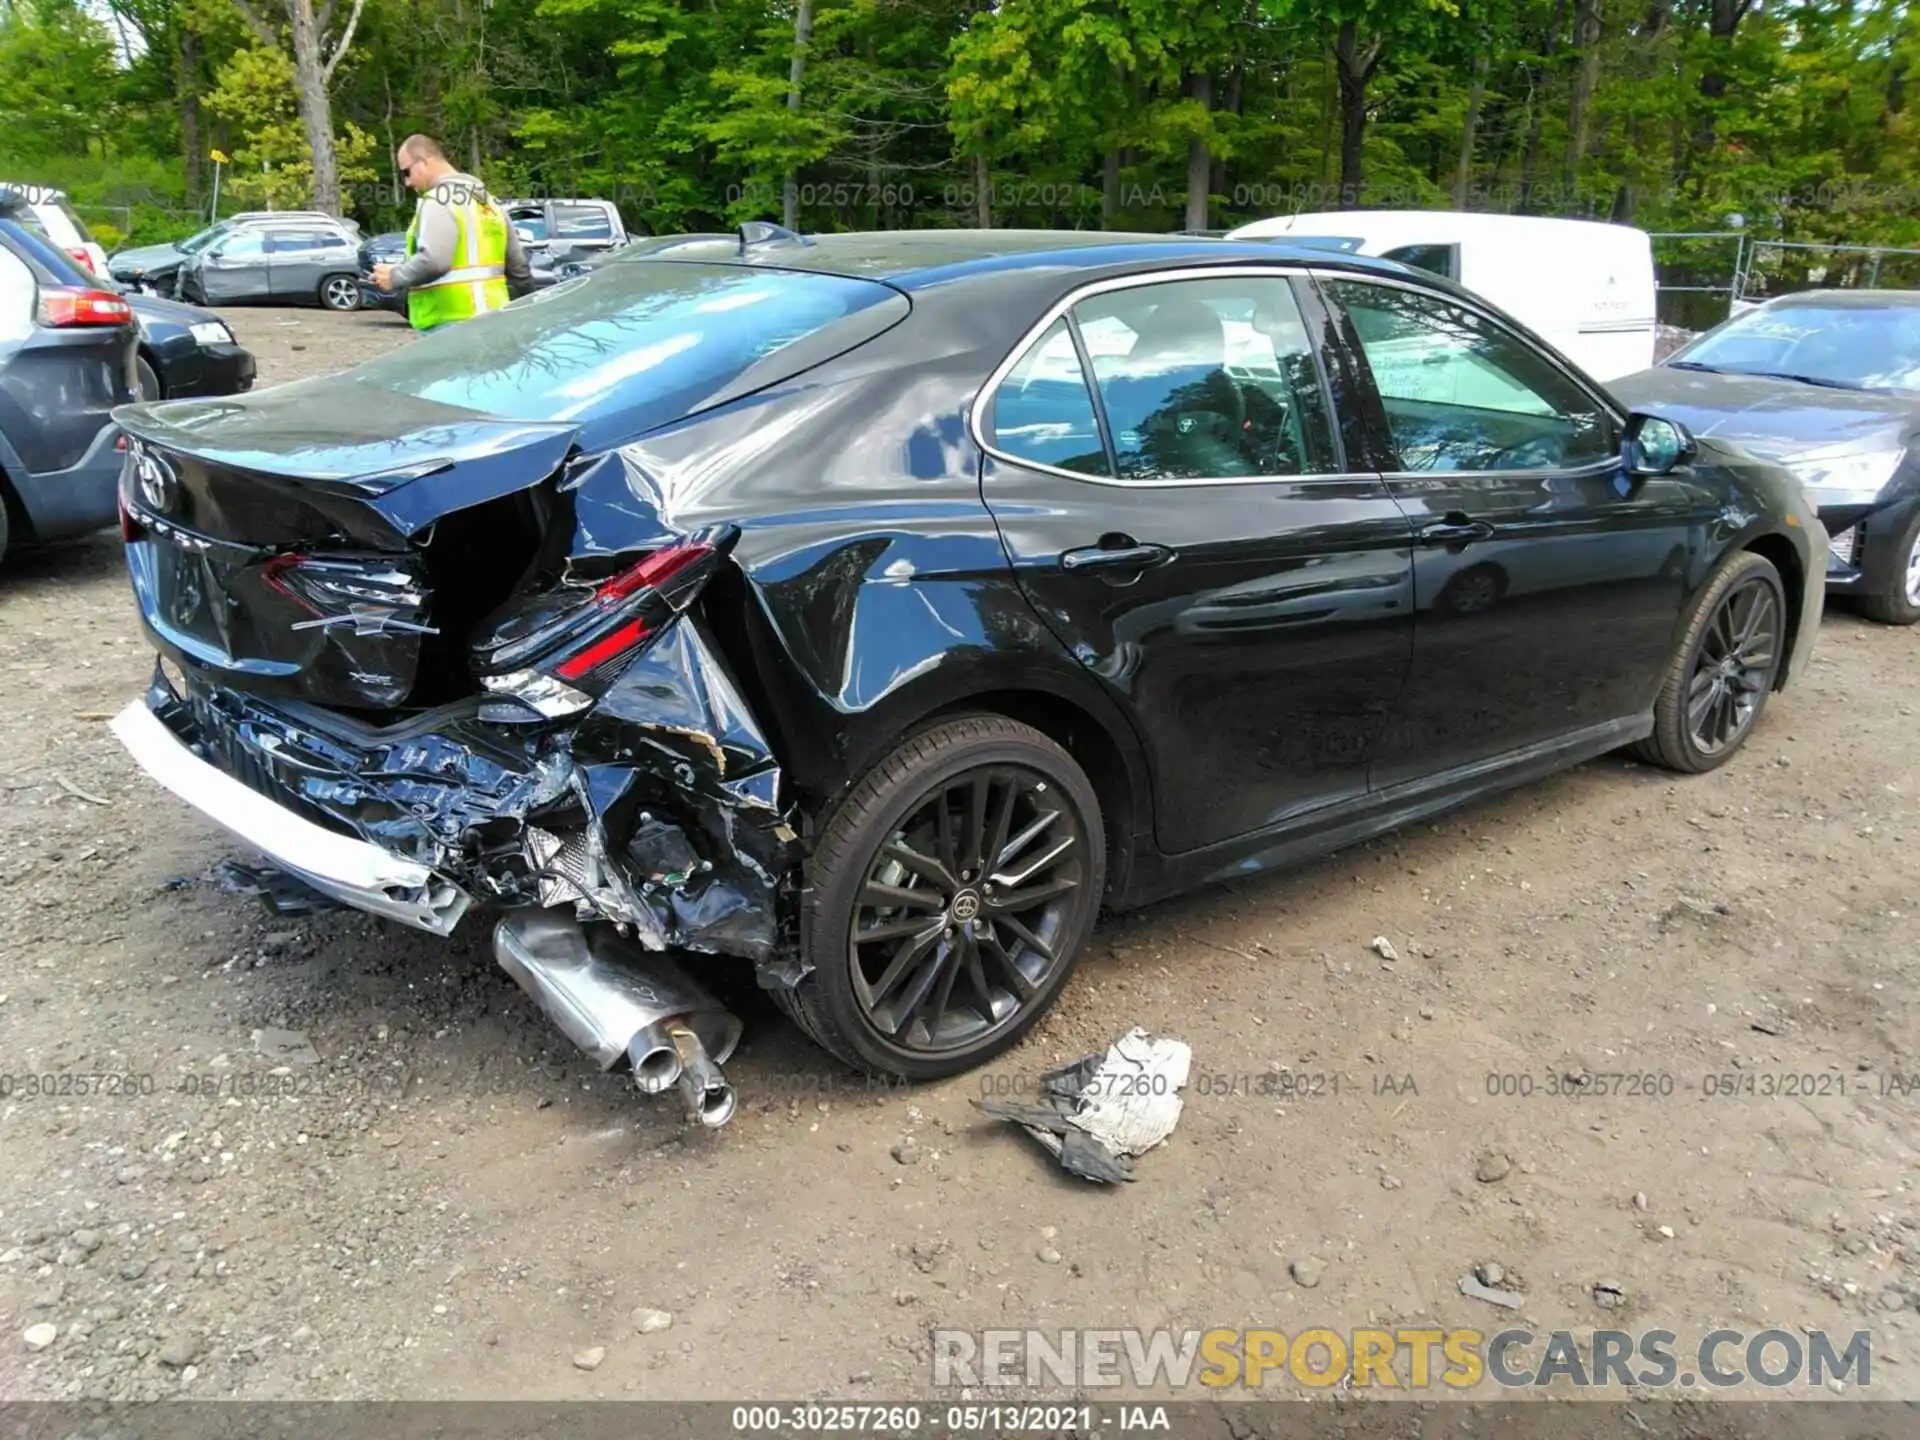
(1115, 557)
(1456, 530)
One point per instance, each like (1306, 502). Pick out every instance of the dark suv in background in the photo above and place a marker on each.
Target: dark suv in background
(67, 357)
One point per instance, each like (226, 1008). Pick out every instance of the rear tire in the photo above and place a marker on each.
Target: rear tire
(944, 846)
(1723, 669)
(340, 292)
(149, 381)
(1894, 594)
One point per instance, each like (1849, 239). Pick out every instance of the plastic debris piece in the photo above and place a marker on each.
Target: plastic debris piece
(1471, 1287)
(1099, 1113)
(280, 892)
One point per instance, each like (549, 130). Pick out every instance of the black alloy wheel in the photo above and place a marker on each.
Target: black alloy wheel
(1723, 669)
(953, 892)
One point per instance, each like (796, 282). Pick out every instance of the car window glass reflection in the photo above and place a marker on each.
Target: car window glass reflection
(1206, 379)
(1461, 394)
(1042, 411)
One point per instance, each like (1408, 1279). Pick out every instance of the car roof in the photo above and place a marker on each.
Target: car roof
(910, 259)
(1433, 226)
(1848, 299)
(50, 264)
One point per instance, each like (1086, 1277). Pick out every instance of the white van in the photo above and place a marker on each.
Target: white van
(1584, 286)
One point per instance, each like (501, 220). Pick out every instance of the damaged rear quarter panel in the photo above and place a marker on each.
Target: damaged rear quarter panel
(869, 585)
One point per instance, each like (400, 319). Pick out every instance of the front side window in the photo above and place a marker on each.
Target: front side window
(1208, 379)
(247, 245)
(1461, 394)
(1043, 411)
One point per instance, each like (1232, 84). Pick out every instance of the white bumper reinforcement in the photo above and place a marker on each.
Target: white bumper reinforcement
(350, 870)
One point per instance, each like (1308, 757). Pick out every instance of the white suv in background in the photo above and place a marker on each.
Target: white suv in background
(63, 226)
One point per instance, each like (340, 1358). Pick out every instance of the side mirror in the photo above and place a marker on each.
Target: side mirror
(1655, 446)
(524, 234)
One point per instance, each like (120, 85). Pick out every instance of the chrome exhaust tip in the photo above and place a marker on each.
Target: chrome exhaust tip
(618, 1001)
(703, 1085)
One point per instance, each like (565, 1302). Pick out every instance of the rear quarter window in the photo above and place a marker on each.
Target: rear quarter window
(629, 347)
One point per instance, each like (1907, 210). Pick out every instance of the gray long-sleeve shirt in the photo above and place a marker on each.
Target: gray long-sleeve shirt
(439, 233)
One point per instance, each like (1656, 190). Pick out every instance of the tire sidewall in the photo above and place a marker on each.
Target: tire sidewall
(1891, 589)
(830, 902)
(327, 285)
(1748, 568)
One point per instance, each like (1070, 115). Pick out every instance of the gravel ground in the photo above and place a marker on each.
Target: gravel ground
(347, 1160)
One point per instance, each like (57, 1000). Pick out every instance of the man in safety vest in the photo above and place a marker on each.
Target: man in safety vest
(461, 252)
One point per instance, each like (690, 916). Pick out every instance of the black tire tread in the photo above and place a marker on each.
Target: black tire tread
(1667, 746)
(841, 837)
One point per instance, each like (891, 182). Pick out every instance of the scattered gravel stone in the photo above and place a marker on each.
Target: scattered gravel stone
(132, 1269)
(87, 1240)
(1383, 947)
(649, 1321)
(1048, 1255)
(1491, 1166)
(1893, 1298)
(1640, 1200)
(1490, 1272)
(1389, 1182)
(39, 1337)
(1307, 1271)
(179, 1350)
(860, 1377)
(1608, 1295)
(590, 1359)
(905, 1150)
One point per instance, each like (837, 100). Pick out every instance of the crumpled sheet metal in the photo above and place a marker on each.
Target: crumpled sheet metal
(1099, 1113)
(674, 738)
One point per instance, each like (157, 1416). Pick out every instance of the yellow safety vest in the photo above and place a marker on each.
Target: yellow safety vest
(477, 280)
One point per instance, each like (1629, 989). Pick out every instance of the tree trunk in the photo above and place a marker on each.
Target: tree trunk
(1110, 186)
(1537, 106)
(802, 34)
(1722, 20)
(1463, 167)
(187, 77)
(316, 111)
(982, 191)
(1356, 63)
(1199, 158)
(1587, 30)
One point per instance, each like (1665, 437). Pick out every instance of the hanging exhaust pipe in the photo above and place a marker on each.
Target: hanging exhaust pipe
(617, 1001)
(707, 1091)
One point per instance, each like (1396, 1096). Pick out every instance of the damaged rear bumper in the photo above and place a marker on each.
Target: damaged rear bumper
(349, 870)
(659, 811)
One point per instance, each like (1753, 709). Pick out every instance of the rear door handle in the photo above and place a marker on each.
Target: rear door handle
(1456, 531)
(1118, 557)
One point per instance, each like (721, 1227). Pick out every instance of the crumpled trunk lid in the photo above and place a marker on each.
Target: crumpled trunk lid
(327, 541)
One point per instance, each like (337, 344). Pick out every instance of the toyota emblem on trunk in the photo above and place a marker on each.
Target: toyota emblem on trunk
(155, 478)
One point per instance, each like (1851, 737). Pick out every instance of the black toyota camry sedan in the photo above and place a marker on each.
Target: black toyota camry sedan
(871, 610)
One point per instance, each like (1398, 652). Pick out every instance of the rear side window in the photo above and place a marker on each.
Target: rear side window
(1442, 260)
(629, 347)
(82, 235)
(581, 222)
(1208, 379)
(530, 218)
(1043, 411)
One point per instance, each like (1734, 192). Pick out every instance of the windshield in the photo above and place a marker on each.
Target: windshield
(1847, 345)
(637, 345)
(194, 244)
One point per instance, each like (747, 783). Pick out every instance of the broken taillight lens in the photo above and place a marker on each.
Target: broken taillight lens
(584, 635)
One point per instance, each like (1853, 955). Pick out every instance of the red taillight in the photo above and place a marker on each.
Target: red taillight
(69, 305)
(86, 260)
(655, 571)
(609, 646)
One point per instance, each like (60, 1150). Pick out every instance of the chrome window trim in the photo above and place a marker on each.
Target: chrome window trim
(984, 397)
(1469, 303)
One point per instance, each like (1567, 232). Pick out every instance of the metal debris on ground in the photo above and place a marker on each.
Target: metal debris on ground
(281, 893)
(1100, 1112)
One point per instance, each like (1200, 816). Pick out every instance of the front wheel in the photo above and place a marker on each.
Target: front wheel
(1893, 587)
(1723, 668)
(340, 292)
(951, 894)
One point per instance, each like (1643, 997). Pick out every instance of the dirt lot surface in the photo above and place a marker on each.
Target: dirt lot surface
(442, 1199)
